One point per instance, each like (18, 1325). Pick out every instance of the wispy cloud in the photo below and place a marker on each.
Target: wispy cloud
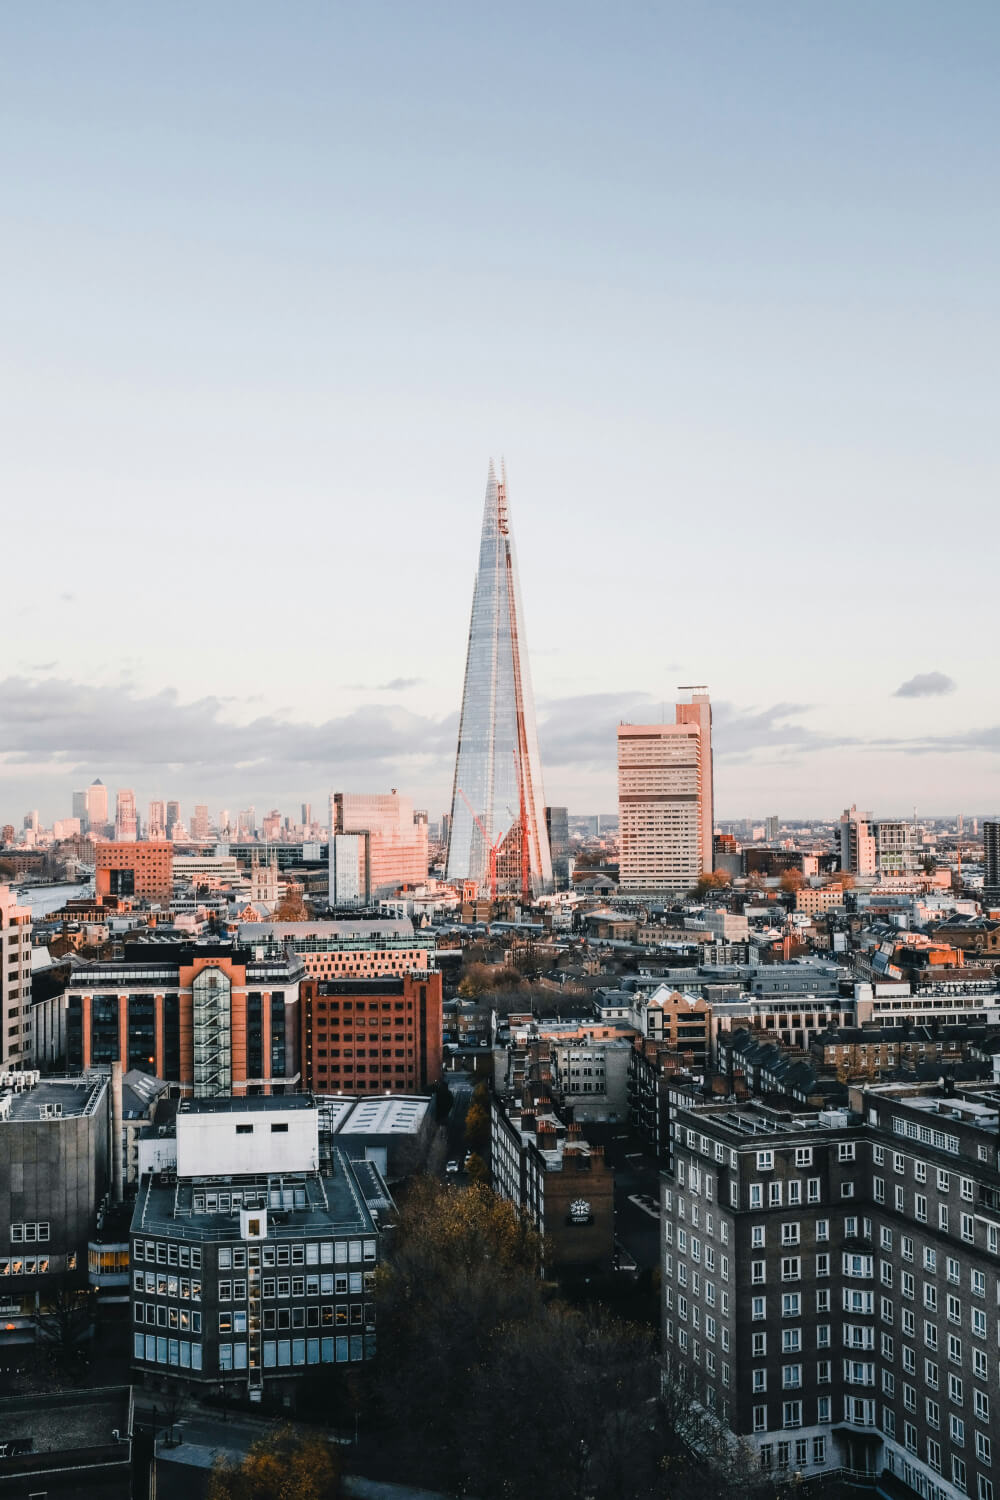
(925, 685)
(394, 685)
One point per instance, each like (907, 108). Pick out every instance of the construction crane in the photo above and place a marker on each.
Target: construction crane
(491, 848)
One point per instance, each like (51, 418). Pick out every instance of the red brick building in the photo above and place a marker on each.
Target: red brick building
(367, 1036)
(144, 869)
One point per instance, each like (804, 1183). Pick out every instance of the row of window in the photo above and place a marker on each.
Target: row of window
(162, 1284)
(166, 1253)
(282, 1353)
(28, 1265)
(28, 1233)
(157, 1349)
(188, 1319)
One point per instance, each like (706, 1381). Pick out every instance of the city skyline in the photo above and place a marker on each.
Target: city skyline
(738, 400)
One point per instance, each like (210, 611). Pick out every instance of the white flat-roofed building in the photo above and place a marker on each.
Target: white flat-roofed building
(225, 1136)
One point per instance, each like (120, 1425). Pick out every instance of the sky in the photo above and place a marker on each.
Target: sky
(719, 282)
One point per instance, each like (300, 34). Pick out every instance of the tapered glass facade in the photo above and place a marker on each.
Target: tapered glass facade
(498, 836)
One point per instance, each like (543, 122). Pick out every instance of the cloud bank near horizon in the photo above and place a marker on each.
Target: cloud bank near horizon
(53, 727)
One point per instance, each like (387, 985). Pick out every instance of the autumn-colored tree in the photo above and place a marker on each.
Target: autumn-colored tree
(791, 881)
(291, 907)
(282, 1465)
(477, 1169)
(477, 1126)
(712, 880)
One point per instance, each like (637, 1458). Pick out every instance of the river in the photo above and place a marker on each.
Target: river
(45, 898)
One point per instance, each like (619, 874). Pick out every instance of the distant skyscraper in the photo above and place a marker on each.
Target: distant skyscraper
(80, 809)
(97, 806)
(771, 826)
(126, 821)
(201, 826)
(377, 843)
(156, 824)
(557, 828)
(173, 817)
(307, 814)
(665, 800)
(497, 835)
(991, 872)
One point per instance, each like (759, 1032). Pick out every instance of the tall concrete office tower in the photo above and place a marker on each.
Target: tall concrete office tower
(665, 800)
(497, 836)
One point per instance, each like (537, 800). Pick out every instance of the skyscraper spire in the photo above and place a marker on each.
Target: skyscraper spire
(498, 836)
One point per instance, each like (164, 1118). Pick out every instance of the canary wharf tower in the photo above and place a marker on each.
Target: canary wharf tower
(498, 837)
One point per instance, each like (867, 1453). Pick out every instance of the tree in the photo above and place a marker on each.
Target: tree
(291, 908)
(712, 880)
(930, 864)
(477, 1126)
(462, 1265)
(791, 881)
(477, 1169)
(443, 1100)
(64, 1323)
(468, 1335)
(280, 1466)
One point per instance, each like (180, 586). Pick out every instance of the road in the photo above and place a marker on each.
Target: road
(635, 1226)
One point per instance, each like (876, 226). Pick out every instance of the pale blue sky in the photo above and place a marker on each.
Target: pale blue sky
(719, 280)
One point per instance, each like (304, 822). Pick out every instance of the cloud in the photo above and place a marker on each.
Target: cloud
(394, 685)
(580, 731)
(56, 721)
(925, 685)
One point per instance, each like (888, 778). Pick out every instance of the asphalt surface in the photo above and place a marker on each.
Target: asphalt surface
(636, 1229)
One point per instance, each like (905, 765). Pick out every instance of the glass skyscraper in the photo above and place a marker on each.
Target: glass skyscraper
(498, 836)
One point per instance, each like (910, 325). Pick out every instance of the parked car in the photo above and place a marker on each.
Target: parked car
(451, 1166)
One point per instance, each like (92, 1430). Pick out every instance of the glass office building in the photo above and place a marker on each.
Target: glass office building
(498, 837)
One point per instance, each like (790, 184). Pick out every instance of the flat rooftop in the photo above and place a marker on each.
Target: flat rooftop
(228, 1104)
(66, 1420)
(299, 1204)
(74, 1097)
(251, 932)
(393, 1116)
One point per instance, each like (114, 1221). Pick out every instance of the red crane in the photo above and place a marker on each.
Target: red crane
(491, 849)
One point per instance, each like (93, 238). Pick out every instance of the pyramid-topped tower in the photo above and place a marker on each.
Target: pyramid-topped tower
(498, 837)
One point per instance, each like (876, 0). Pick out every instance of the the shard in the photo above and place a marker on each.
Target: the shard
(498, 837)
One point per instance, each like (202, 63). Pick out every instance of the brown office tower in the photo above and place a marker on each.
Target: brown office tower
(371, 1036)
(144, 869)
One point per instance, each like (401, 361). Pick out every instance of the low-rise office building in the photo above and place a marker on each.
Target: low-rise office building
(54, 1175)
(253, 1259)
(209, 1016)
